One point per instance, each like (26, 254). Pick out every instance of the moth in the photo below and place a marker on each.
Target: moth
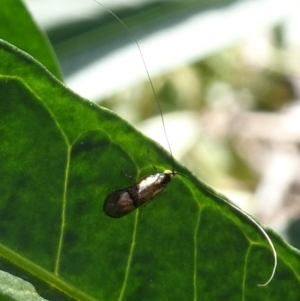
(121, 202)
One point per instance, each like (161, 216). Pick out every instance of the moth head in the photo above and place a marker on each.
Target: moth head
(170, 173)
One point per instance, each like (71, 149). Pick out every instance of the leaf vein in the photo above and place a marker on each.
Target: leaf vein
(133, 242)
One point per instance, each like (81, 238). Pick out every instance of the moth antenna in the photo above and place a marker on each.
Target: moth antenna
(148, 76)
(171, 154)
(251, 219)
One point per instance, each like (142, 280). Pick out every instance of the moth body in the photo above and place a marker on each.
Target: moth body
(123, 201)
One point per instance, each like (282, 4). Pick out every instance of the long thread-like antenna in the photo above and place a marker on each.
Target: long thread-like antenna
(173, 163)
(148, 75)
(251, 219)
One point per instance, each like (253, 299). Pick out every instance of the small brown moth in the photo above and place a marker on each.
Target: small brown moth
(123, 201)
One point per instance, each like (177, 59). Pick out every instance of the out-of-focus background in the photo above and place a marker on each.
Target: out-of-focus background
(226, 73)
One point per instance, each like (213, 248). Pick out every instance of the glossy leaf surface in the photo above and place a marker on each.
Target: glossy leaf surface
(61, 156)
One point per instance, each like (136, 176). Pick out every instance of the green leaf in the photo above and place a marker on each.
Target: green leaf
(18, 28)
(62, 155)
